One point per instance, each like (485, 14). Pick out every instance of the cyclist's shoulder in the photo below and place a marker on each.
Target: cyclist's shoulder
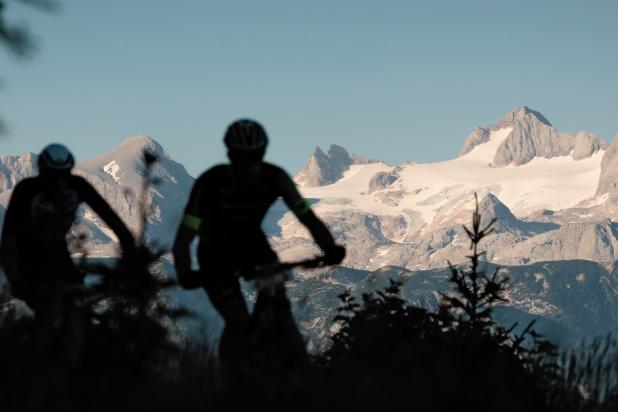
(272, 167)
(81, 184)
(78, 180)
(274, 170)
(31, 183)
(213, 174)
(28, 181)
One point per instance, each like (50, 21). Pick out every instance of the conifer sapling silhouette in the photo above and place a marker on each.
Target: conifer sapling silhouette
(475, 293)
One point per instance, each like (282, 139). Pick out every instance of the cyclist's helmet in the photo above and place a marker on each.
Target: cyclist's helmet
(57, 158)
(246, 138)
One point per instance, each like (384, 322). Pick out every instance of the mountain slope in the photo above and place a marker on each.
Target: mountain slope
(324, 168)
(531, 136)
(411, 215)
(118, 176)
(436, 190)
(609, 170)
(570, 298)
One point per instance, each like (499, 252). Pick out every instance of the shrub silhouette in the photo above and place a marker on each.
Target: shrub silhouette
(389, 354)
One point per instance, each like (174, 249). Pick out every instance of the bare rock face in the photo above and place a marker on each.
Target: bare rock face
(532, 136)
(479, 136)
(381, 180)
(594, 241)
(118, 174)
(520, 113)
(324, 168)
(492, 208)
(608, 181)
(12, 170)
(15, 168)
(586, 144)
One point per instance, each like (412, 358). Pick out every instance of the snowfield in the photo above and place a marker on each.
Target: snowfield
(439, 188)
(112, 168)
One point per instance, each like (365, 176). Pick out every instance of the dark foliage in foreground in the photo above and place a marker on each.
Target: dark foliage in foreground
(389, 354)
(386, 355)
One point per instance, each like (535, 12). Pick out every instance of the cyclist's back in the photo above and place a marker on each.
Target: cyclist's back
(231, 204)
(226, 209)
(34, 251)
(41, 211)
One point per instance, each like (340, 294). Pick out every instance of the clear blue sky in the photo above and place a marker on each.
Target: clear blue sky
(395, 80)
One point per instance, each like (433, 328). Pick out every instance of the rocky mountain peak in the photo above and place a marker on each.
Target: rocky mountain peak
(531, 135)
(478, 136)
(15, 168)
(586, 144)
(490, 207)
(608, 181)
(522, 113)
(326, 167)
(135, 145)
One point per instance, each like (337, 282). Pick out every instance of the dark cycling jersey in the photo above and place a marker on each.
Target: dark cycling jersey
(37, 220)
(225, 210)
(41, 217)
(227, 213)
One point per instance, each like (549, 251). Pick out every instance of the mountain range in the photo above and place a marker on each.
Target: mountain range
(553, 195)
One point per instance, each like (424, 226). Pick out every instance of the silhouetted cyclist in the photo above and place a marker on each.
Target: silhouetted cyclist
(33, 250)
(226, 209)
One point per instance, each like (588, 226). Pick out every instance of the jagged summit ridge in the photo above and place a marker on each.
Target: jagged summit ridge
(490, 207)
(531, 136)
(520, 113)
(326, 167)
(119, 173)
(139, 143)
(124, 162)
(608, 181)
(15, 168)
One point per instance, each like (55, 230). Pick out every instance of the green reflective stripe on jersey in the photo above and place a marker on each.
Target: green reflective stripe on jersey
(192, 222)
(302, 206)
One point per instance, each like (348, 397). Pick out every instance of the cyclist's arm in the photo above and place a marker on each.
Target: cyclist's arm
(188, 229)
(8, 250)
(107, 214)
(10, 263)
(13, 219)
(301, 208)
(181, 249)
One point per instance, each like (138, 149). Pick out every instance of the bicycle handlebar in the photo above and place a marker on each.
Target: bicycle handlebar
(278, 267)
(192, 279)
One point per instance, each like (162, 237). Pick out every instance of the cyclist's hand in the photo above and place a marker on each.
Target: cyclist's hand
(334, 255)
(190, 279)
